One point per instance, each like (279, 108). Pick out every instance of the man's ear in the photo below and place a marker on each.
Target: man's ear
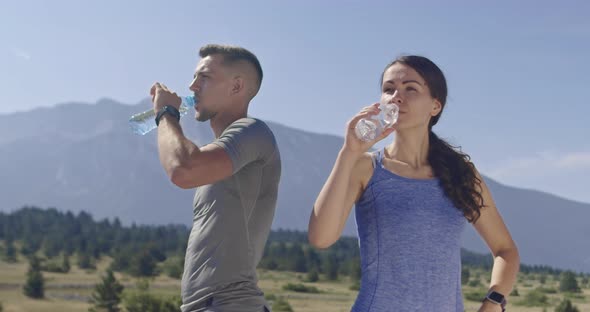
(237, 85)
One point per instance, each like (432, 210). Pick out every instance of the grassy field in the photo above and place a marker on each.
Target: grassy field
(70, 292)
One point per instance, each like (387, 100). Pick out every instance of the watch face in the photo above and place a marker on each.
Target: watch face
(497, 297)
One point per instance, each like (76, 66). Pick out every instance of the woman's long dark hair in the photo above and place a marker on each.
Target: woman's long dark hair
(452, 167)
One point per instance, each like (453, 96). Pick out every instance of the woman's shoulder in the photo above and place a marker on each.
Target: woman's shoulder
(364, 167)
(366, 161)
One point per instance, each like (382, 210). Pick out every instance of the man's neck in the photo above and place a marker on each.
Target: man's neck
(221, 121)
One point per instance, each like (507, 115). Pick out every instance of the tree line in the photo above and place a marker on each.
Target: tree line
(57, 236)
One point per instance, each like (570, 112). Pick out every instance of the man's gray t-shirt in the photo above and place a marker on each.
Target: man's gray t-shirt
(232, 218)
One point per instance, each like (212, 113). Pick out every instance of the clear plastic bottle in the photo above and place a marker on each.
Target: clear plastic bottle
(145, 122)
(369, 129)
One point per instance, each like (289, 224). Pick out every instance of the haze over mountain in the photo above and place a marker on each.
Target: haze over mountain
(79, 156)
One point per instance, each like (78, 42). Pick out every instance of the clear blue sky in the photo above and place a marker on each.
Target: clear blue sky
(517, 70)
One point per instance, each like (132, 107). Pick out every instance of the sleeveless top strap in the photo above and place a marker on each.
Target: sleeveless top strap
(376, 159)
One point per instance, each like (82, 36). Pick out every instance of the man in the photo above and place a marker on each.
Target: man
(237, 176)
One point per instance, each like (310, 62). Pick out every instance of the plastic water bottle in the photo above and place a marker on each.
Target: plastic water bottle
(369, 129)
(145, 122)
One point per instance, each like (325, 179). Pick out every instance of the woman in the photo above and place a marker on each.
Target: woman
(413, 199)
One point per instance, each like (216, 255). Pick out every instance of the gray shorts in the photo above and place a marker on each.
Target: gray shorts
(235, 297)
(219, 304)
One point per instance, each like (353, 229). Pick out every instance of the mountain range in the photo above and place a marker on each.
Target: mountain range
(79, 156)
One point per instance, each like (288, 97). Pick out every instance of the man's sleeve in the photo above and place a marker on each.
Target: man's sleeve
(247, 140)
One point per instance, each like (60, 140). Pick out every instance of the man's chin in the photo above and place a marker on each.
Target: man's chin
(202, 117)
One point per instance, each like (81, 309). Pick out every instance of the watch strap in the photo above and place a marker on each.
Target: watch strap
(167, 110)
(496, 298)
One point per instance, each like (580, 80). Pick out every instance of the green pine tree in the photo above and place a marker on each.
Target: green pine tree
(355, 270)
(84, 261)
(331, 266)
(542, 278)
(465, 275)
(568, 282)
(141, 300)
(143, 264)
(282, 305)
(65, 265)
(312, 276)
(34, 286)
(566, 306)
(107, 294)
(10, 252)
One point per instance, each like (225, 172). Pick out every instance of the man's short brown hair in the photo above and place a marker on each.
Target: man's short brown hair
(231, 55)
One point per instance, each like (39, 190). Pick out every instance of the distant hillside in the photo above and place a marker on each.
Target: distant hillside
(84, 157)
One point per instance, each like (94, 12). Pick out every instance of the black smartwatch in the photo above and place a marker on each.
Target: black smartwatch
(167, 110)
(496, 298)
